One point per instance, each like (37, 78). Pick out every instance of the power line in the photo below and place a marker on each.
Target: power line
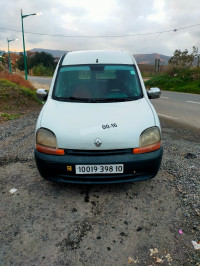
(103, 36)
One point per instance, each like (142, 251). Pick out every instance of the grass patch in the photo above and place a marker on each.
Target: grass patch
(17, 79)
(177, 83)
(9, 116)
(16, 100)
(6, 85)
(192, 87)
(147, 75)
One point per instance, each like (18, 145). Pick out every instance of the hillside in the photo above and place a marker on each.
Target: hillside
(55, 53)
(148, 59)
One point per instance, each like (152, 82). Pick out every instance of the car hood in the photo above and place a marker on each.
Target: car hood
(77, 125)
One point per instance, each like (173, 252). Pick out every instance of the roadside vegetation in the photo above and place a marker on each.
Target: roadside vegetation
(183, 75)
(17, 97)
(15, 78)
(182, 80)
(40, 64)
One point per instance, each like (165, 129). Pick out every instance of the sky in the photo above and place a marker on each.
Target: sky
(129, 25)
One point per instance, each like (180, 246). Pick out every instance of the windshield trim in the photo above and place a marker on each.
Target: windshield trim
(91, 100)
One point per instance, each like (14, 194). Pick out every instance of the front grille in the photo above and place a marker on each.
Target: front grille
(102, 179)
(98, 153)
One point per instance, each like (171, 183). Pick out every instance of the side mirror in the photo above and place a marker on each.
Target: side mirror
(41, 94)
(154, 93)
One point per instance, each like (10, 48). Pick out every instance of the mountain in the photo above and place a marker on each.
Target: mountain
(149, 59)
(55, 53)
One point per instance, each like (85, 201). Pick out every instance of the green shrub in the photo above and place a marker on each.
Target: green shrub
(164, 81)
(180, 84)
(41, 70)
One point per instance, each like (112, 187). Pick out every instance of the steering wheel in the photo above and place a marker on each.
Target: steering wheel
(116, 93)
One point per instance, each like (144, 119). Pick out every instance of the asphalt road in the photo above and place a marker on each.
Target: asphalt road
(41, 80)
(180, 107)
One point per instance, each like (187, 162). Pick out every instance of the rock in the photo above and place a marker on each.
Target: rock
(190, 156)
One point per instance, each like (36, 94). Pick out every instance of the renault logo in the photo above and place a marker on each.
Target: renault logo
(98, 142)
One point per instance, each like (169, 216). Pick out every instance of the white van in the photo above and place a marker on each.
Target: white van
(98, 125)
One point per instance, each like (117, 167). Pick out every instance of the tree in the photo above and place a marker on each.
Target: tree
(43, 58)
(182, 59)
(20, 62)
(4, 58)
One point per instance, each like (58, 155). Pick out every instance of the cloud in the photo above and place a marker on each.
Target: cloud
(105, 17)
(159, 15)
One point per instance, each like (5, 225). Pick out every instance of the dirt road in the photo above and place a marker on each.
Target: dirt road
(44, 223)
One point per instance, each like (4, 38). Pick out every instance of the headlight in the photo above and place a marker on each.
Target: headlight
(150, 140)
(46, 137)
(150, 136)
(46, 142)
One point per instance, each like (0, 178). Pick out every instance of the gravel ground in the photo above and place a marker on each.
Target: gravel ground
(45, 223)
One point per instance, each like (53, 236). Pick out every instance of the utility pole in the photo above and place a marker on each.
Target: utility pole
(157, 66)
(9, 61)
(22, 17)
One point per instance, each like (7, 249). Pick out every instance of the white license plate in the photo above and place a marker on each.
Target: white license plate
(100, 169)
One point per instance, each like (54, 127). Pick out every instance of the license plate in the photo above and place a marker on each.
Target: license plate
(100, 169)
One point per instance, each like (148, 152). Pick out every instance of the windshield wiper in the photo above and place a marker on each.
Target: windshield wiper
(79, 99)
(114, 99)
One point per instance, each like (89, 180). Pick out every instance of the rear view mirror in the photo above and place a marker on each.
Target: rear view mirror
(41, 94)
(154, 93)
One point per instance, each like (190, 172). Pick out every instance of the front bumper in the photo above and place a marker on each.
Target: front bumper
(136, 167)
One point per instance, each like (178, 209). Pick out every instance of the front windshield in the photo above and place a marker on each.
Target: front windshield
(95, 83)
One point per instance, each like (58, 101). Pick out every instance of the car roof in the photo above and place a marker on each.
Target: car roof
(98, 57)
